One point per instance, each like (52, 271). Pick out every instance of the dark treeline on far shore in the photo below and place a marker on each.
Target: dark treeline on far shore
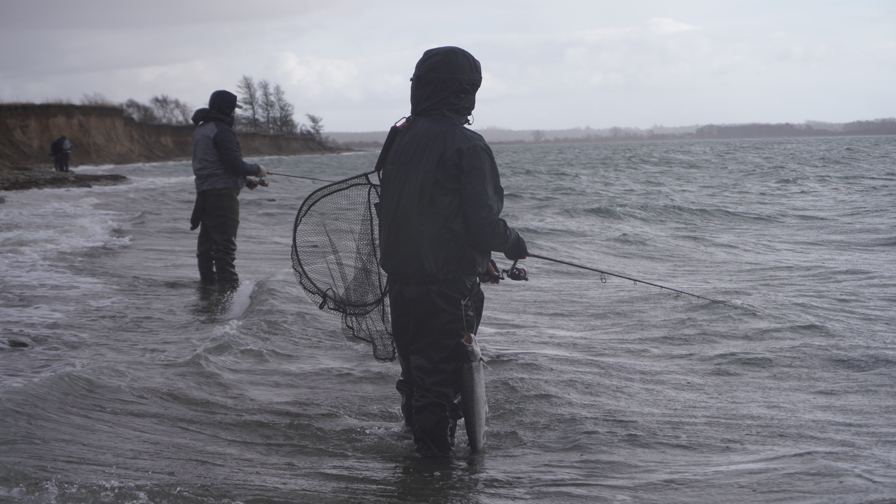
(265, 110)
(810, 128)
(368, 140)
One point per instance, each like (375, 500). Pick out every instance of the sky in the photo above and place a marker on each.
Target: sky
(547, 64)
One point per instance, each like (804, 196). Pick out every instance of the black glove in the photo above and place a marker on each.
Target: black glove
(518, 250)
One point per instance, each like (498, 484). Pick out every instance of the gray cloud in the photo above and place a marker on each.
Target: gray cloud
(104, 14)
(555, 65)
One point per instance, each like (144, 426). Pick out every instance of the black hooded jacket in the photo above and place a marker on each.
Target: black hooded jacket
(441, 197)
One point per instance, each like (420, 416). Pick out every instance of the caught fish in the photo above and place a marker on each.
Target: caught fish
(473, 400)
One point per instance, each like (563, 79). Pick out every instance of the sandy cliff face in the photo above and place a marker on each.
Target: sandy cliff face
(102, 135)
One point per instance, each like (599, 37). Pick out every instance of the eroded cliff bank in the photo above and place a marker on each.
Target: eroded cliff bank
(102, 135)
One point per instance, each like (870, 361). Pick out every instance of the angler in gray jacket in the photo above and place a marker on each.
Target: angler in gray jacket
(220, 174)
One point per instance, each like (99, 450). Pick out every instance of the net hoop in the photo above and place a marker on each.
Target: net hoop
(335, 258)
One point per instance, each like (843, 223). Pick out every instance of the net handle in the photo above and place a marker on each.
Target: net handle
(387, 145)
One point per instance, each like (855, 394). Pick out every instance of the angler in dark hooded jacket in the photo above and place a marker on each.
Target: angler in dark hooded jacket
(440, 220)
(220, 174)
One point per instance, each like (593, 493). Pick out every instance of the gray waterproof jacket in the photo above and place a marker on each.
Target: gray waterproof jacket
(217, 158)
(441, 197)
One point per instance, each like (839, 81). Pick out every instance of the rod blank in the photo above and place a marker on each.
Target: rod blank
(299, 176)
(624, 277)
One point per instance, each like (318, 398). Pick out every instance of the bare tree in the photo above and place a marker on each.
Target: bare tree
(95, 99)
(170, 110)
(284, 113)
(266, 105)
(139, 112)
(161, 109)
(249, 101)
(316, 128)
(184, 112)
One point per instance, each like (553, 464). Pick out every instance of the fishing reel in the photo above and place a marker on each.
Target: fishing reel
(252, 183)
(515, 272)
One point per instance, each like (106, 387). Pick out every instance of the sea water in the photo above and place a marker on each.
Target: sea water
(122, 380)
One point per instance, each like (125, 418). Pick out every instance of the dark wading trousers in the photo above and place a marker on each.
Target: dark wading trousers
(218, 211)
(61, 161)
(428, 323)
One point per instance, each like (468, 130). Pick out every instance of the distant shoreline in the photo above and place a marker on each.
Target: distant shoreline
(103, 135)
(670, 138)
(809, 129)
(373, 146)
(17, 178)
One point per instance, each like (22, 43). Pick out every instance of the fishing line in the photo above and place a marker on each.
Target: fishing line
(299, 176)
(627, 278)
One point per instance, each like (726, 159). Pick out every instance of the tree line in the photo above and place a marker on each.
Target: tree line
(886, 126)
(265, 107)
(161, 109)
(265, 110)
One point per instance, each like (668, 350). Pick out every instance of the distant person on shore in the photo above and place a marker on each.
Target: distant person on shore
(60, 149)
(220, 174)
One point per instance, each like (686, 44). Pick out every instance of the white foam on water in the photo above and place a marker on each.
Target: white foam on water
(34, 225)
(141, 176)
(42, 234)
(97, 169)
(229, 329)
(142, 183)
(242, 298)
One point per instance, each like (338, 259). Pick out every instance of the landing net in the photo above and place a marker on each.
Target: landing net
(335, 256)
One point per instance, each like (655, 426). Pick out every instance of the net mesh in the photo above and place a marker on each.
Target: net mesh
(335, 257)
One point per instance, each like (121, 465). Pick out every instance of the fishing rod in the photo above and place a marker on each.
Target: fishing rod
(299, 176)
(626, 278)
